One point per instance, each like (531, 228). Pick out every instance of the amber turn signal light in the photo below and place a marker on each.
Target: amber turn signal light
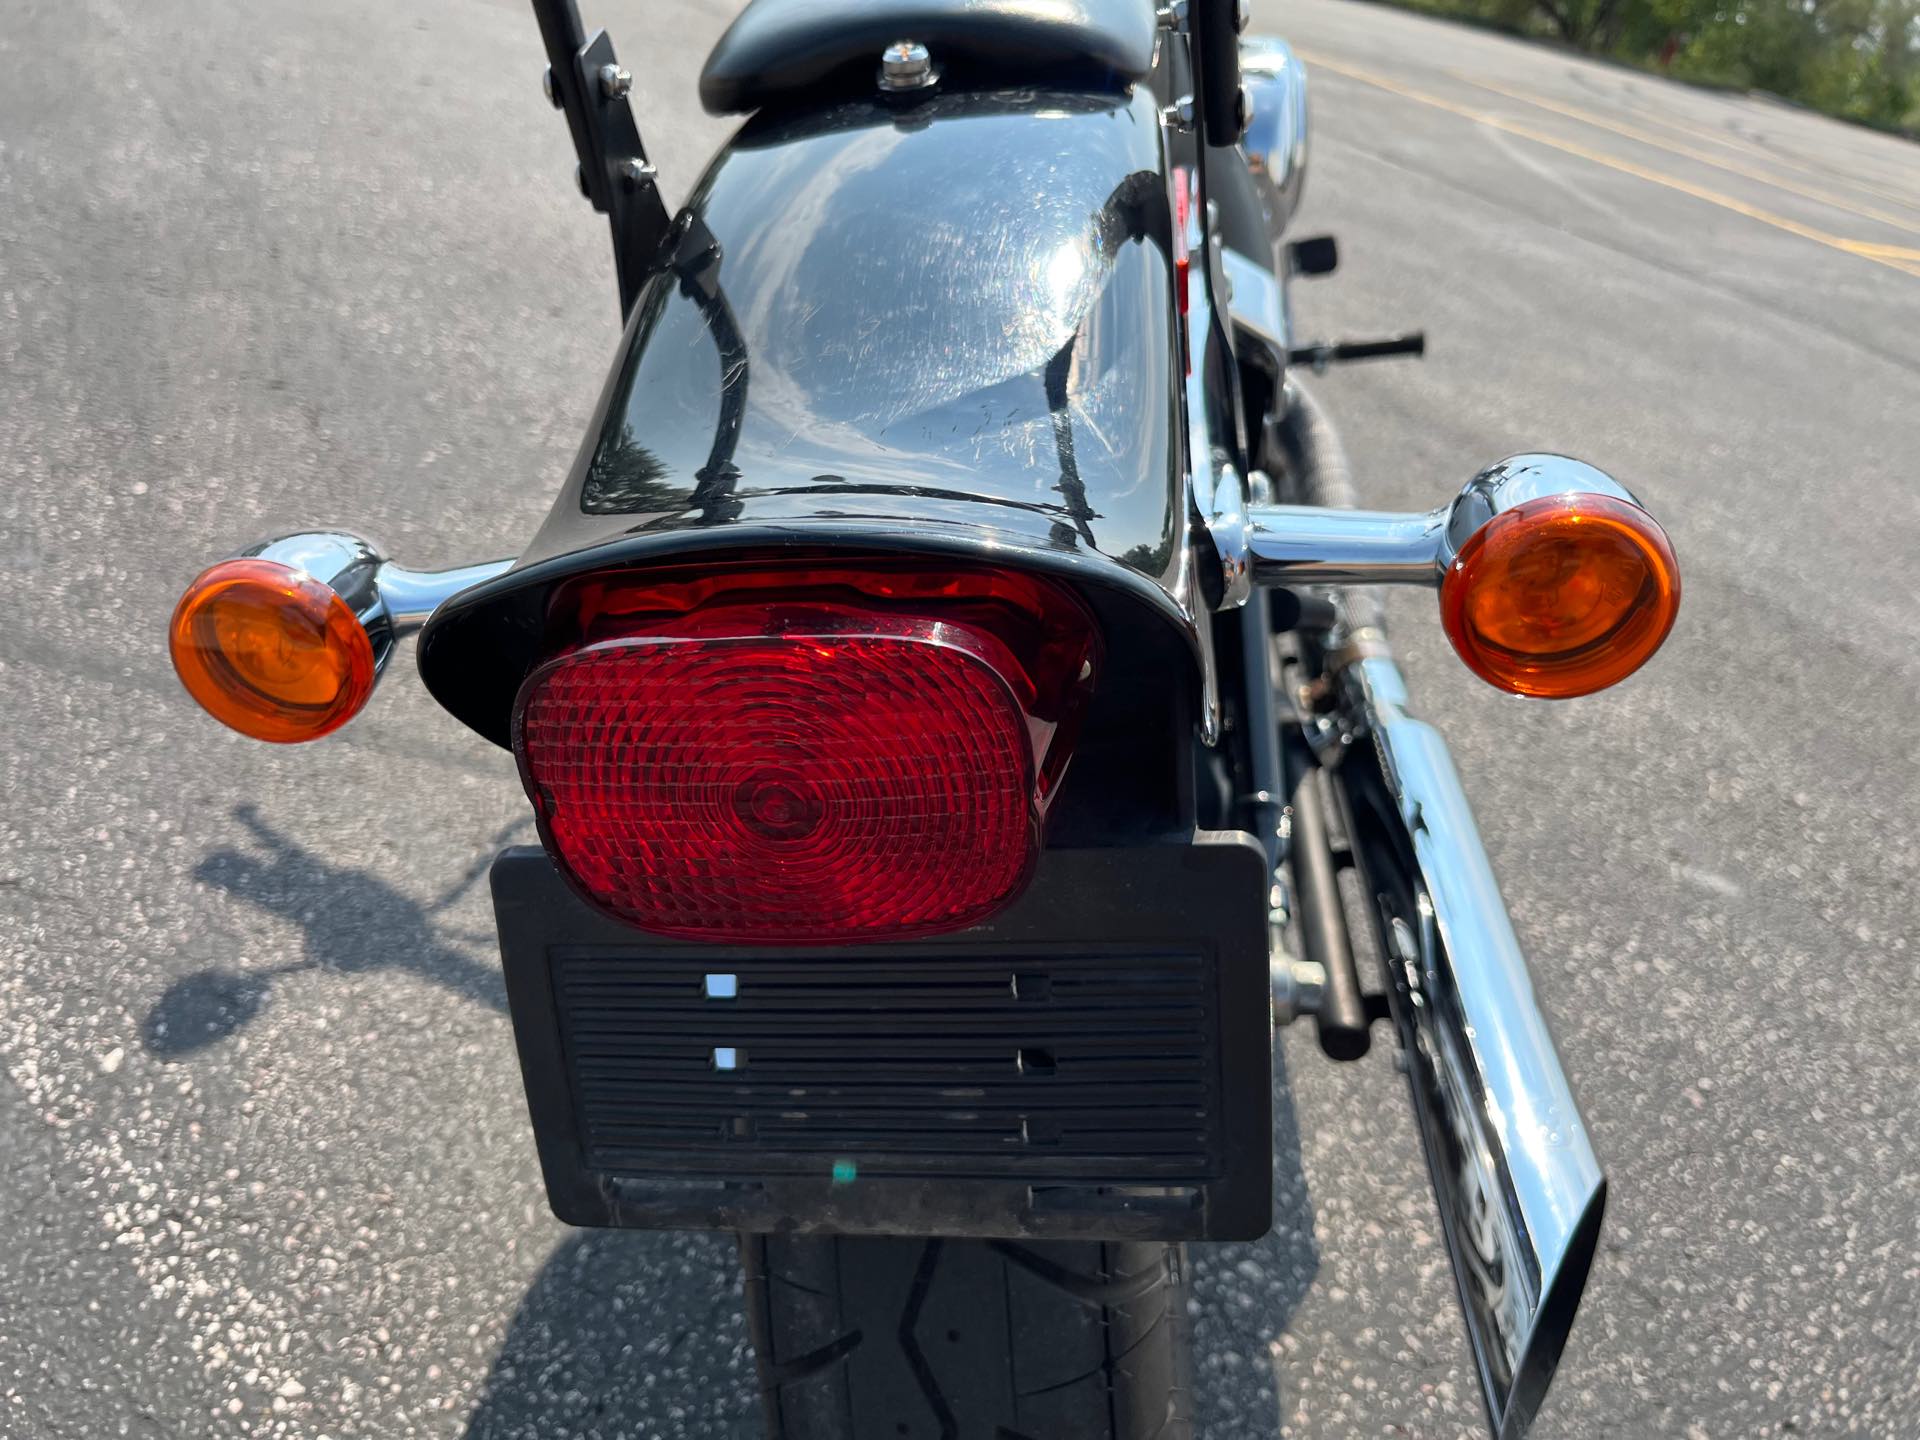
(1561, 595)
(271, 652)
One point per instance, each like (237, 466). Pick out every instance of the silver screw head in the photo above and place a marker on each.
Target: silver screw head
(636, 172)
(547, 88)
(616, 81)
(906, 65)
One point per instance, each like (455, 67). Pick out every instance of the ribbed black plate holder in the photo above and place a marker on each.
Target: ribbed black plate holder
(1095, 1063)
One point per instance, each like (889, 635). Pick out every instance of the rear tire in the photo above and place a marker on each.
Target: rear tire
(912, 1339)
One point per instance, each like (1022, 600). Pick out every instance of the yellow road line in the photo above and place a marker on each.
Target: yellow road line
(1895, 257)
(1634, 132)
(1760, 152)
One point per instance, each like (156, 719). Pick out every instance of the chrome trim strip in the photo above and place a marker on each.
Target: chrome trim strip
(1212, 482)
(1520, 1190)
(1257, 304)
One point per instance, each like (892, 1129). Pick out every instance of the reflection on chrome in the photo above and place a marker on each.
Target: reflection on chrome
(1276, 140)
(388, 600)
(1314, 545)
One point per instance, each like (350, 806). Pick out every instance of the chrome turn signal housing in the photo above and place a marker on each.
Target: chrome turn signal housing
(1554, 580)
(1561, 595)
(286, 641)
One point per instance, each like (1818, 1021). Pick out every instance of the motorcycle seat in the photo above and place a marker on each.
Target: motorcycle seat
(782, 51)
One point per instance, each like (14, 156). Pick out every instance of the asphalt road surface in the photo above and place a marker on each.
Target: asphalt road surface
(264, 1167)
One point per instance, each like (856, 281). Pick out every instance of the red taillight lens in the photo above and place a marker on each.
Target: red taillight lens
(799, 754)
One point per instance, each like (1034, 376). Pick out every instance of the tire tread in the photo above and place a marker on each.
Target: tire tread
(911, 1339)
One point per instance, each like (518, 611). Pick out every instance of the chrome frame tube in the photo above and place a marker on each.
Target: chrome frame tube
(411, 596)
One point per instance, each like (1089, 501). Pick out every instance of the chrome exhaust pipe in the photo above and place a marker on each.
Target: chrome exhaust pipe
(1520, 1190)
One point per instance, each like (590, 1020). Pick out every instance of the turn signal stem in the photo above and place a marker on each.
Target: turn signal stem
(286, 641)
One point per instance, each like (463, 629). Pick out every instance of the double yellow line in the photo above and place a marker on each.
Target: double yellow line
(1897, 257)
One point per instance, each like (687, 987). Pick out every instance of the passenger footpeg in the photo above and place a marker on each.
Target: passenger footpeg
(1323, 353)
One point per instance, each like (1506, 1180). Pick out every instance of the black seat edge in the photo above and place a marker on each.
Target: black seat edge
(780, 51)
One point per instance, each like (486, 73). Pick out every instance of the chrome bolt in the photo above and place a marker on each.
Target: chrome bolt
(636, 172)
(551, 91)
(1404, 945)
(1172, 16)
(1299, 987)
(616, 81)
(1179, 115)
(906, 65)
(1279, 905)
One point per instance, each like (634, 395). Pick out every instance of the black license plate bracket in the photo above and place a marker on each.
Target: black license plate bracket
(1095, 1062)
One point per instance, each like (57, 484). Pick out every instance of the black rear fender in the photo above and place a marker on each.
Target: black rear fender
(943, 328)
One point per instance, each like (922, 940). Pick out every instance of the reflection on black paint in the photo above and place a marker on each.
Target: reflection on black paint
(1071, 489)
(861, 314)
(624, 477)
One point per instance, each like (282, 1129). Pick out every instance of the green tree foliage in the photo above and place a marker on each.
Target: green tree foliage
(1858, 59)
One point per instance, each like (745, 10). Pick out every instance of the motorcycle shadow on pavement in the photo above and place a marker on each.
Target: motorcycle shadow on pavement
(353, 922)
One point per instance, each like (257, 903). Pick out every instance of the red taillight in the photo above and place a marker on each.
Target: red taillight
(802, 754)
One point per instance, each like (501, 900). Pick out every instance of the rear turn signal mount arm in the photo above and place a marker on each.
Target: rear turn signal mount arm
(1554, 579)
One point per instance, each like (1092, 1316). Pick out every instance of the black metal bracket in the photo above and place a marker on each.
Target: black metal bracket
(1219, 102)
(1313, 255)
(586, 81)
(620, 180)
